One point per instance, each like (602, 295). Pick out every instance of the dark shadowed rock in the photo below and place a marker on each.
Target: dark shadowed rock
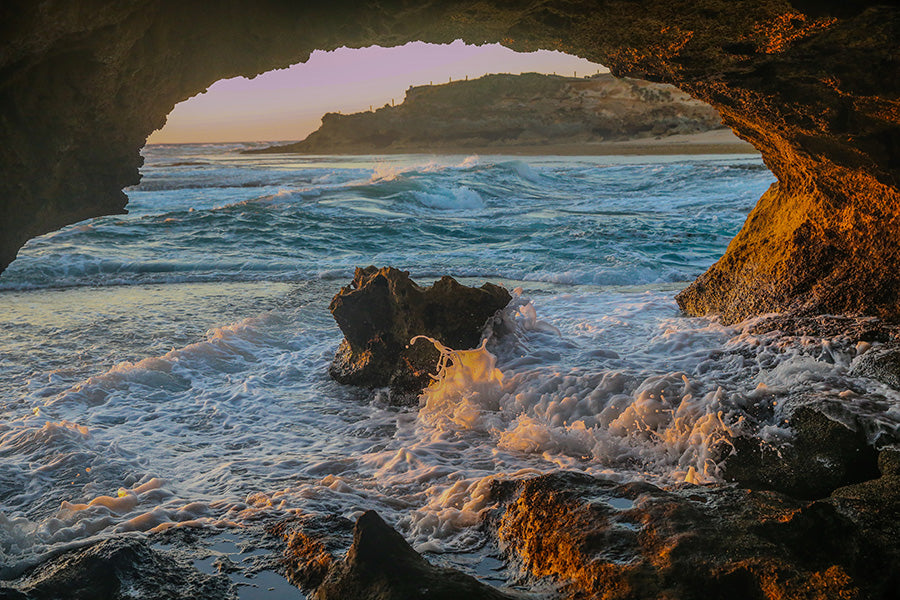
(881, 364)
(383, 309)
(118, 568)
(599, 539)
(381, 565)
(823, 456)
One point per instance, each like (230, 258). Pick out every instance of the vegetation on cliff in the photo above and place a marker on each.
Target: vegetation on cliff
(509, 111)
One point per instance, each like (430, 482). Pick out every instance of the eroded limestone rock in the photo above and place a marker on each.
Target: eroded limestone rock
(881, 364)
(378, 565)
(383, 309)
(599, 539)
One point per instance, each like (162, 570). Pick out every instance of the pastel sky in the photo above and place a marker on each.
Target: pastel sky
(288, 104)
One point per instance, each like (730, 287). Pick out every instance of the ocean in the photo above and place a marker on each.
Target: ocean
(168, 367)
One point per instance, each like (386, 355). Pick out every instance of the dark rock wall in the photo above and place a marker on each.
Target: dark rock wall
(814, 86)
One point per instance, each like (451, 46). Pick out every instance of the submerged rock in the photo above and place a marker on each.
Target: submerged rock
(118, 568)
(599, 539)
(383, 309)
(823, 455)
(379, 565)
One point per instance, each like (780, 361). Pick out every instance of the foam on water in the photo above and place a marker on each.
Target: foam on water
(119, 414)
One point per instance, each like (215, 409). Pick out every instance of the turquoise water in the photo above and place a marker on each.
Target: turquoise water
(168, 367)
(206, 213)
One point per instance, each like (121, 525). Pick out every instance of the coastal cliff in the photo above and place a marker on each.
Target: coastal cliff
(509, 112)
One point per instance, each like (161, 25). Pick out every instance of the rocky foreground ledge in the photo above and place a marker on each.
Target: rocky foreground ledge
(814, 517)
(584, 537)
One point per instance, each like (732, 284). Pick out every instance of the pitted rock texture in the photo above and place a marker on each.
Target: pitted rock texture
(599, 539)
(509, 111)
(813, 85)
(382, 310)
(823, 456)
(881, 364)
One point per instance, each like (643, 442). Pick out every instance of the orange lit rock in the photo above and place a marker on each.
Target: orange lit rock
(601, 540)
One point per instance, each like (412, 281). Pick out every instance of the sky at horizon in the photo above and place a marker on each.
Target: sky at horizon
(288, 104)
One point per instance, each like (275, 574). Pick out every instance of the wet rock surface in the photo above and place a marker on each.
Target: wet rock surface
(383, 309)
(599, 539)
(118, 568)
(881, 364)
(381, 565)
(331, 558)
(822, 456)
(312, 546)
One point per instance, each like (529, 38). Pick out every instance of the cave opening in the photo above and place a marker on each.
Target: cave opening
(169, 368)
(287, 104)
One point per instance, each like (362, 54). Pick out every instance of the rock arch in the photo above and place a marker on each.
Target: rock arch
(813, 85)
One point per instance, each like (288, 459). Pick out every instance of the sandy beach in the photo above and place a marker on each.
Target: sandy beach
(719, 141)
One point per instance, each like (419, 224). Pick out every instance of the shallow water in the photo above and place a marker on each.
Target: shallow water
(169, 367)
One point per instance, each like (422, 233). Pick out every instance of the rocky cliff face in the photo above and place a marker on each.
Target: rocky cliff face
(815, 86)
(506, 111)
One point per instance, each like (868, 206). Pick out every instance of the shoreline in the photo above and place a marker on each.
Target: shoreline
(719, 141)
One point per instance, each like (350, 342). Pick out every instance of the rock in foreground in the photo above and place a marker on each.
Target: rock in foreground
(600, 539)
(381, 565)
(383, 309)
(118, 568)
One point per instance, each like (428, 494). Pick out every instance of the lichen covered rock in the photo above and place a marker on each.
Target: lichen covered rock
(383, 309)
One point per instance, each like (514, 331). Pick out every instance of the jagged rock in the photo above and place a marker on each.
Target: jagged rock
(118, 568)
(823, 456)
(383, 309)
(509, 111)
(599, 539)
(312, 544)
(381, 565)
(881, 364)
